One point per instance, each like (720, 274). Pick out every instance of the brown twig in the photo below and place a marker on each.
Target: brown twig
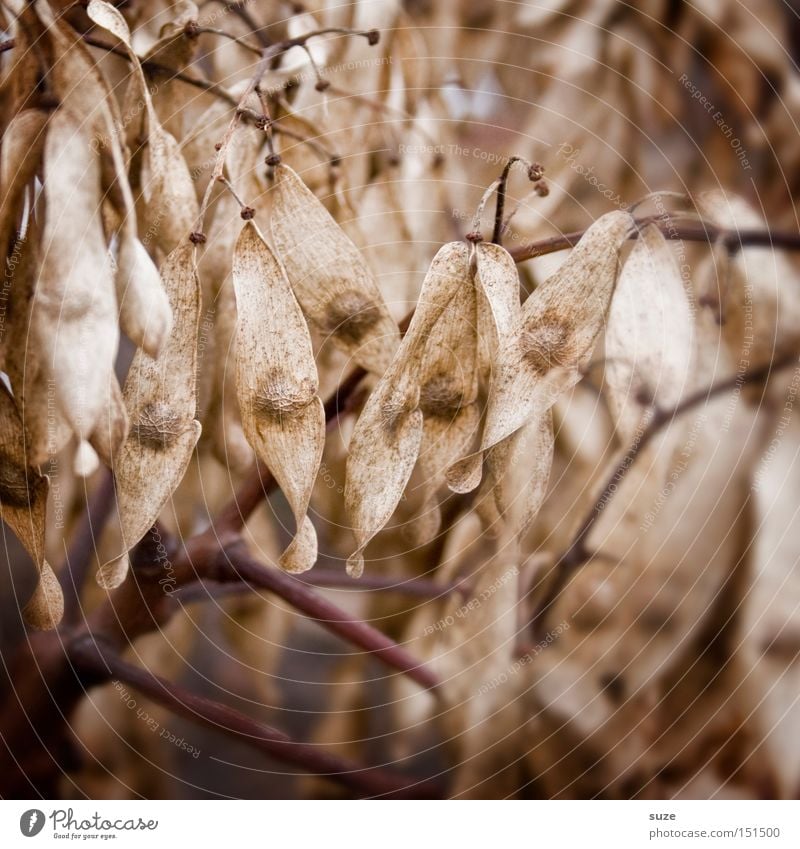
(731, 239)
(235, 564)
(578, 553)
(104, 662)
(333, 579)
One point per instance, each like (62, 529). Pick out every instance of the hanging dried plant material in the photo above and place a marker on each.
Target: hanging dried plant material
(447, 399)
(519, 467)
(329, 276)
(171, 206)
(553, 342)
(75, 309)
(649, 338)
(161, 399)
(144, 311)
(23, 504)
(112, 430)
(276, 381)
(498, 286)
(388, 434)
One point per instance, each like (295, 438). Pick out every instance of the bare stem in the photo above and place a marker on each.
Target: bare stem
(104, 662)
(732, 239)
(235, 564)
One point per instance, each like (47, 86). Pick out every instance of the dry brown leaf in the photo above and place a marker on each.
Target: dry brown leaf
(161, 399)
(23, 503)
(553, 341)
(276, 380)
(388, 434)
(330, 278)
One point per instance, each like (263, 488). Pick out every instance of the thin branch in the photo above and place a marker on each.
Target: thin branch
(198, 30)
(578, 553)
(333, 579)
(103, 661)
(235, 564)
(731, 239)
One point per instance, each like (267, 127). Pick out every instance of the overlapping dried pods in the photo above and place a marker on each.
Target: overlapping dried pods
(171, 206)
(276, 380)
(552, 342)
(161, 399)
(329, 277)
(388, 434)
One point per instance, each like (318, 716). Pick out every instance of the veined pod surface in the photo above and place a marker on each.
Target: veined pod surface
(161, 399)
(23, 503)
(388, 434)
(276, 381)
(329, 276)
(519, 467)
(553, 341)
(649, 339)
(447, 399)
(498, 286)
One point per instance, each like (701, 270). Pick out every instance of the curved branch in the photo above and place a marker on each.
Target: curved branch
(103, 662)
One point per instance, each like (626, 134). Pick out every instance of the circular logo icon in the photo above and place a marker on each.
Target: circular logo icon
(31, 822)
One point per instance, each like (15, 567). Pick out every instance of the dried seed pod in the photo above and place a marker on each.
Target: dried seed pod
(171, 202)
(519, 467)
(447, 399)
(144, 311)
(498, 286)
(112, 430)
(388, 434)
(329, 276)
(75, 309)
(161, 399)
(20, 157)
(23, 502)
(648, 342)
(276, 380)
(553, 341)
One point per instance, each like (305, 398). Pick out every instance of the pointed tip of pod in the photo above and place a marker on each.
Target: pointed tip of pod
(301, 554)
(112, 574)
(466, 474)
(86, 460)
(355, 565)
(46, 606)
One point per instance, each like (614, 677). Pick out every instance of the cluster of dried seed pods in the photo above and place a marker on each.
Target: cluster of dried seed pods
(469, 323)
